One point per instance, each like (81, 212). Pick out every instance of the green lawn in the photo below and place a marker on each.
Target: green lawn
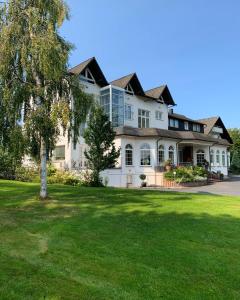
(117, 244)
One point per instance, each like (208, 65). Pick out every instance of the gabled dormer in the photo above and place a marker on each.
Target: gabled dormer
(90, 72)
(131, 84)
(215, 127)
(162, 95)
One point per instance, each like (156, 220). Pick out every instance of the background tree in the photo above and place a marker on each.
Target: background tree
(102, 153)
(34, 79)
(235, 149)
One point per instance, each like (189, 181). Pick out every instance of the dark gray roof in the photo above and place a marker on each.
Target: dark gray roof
(171, 134)
(184, 118)
(94, 67)
(210, 123)
(163, 91)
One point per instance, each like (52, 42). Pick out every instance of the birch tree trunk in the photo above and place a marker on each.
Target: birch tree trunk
(43, 171)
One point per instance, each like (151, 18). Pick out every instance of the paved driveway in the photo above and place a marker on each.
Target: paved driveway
(228, 187)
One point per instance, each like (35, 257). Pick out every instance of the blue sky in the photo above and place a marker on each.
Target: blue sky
(193, 46)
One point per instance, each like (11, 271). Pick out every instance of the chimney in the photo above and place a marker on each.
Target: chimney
(170, 111)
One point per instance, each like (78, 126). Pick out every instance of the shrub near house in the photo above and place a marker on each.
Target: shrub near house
(186, 174)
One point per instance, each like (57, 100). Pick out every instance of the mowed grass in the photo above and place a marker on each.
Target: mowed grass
(88, 243)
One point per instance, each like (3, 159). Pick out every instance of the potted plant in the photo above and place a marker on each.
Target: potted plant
(168, 165)
(143, 177)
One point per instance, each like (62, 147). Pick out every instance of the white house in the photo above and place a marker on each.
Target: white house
(147, 131)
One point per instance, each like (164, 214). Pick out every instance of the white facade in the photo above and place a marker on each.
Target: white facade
(157, 112)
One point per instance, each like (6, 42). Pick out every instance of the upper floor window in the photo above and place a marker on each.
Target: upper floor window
(87, 76)
(129, 155)
(59, 153)
(129, 89)
(200, 157)
(145, 155)
(159, 115)
(223, 159)
(143, 118)
(161, 155)
(171, 154)
(174, 123)
(128, 112)
(186, 125)
(196, 127)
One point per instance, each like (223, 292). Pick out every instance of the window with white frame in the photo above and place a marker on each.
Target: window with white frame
(87, 76)
(145, 154)
(174, 123)
(171, 154)
(59, 153)
(186, 125)
(161, 155)
(143, 118)
(200, 157)
(218, 157)
(212, 157)
(196, 127)
(159, 115)
(129, 155)
(128, 112)
(223, 159)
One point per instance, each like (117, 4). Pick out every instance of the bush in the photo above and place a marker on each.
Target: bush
(7, 165)
(186, 174)
(64, 177)
(27, 174)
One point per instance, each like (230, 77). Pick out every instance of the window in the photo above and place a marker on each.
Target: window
(223, 159)
(186, 125)
(145, 155)
(171, 154)
(59, 153)
(128, 112)
(159, 115)
(200, 157)
(129, 155)
(161, 155)
(105, 101)
(196, 127)
(117, 108)
(173, 123)
(218, 157)
(143, 118)
(87, 76)
(212, 157)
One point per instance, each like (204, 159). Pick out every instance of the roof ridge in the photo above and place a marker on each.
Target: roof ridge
(128, 75)
(160, 86)
(83, 62)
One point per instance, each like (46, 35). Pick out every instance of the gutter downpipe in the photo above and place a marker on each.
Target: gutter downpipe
(157, 160)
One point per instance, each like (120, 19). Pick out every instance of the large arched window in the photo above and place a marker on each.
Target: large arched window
(200, 157)
(129, 155)
(223, 159)
(218, 157)
(212, 157)
(171, 154)
(161, 155)
(145, 155)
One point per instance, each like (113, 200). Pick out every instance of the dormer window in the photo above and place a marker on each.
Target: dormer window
(129, 89)
(186, 125)
(196, 127)
(87, 76)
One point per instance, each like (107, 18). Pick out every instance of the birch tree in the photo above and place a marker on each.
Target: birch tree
(34, 81)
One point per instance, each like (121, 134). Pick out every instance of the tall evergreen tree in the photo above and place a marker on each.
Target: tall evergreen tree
(99, 136)
(34, 78)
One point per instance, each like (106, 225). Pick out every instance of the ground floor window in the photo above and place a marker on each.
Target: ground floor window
(145, 155)
(218, 157)
(171, 154)
(212, 157)
(223, 159)
(59, 153)
(161, 155)
(200, 157)
(129, 155)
